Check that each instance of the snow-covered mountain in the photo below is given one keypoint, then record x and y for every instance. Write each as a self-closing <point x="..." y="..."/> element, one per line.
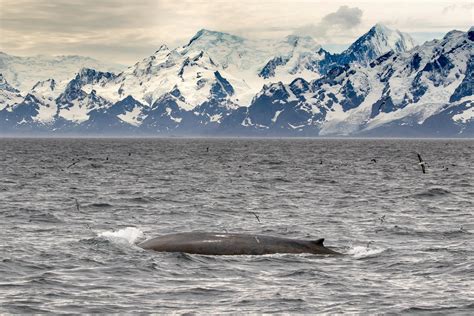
<point x="245" y="64"/>
<point x="193" y="73"/>
<point x="254" y="61"/>
<point x="395" y="94"/>
<point x="188" y="80"/>
<point x="75" y="103"/>
<point x="24" y="72"/>
<point x="8" y="94"/>
<point x="378" y="41"/>
<point x="222" y="84"/>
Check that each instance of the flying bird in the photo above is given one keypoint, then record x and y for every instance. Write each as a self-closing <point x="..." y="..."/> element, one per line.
<point x="73" y="163"/>
<point x="421" y="163"/>
<point x="77" y="205"/>
<point x="256" y="216"/>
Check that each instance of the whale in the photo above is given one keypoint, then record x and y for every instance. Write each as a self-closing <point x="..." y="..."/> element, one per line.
<point x="208" y="243"/>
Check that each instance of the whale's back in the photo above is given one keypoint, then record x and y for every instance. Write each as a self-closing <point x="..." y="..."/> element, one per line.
<point x="232" y="244"/>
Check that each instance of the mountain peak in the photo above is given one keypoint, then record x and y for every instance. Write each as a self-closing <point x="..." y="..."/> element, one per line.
<point x="4" y="85"/>
<point x="206" y="35"/>
<point x="378" y="41"/>
<point x="48" y="85"/>
<point x="297" y="40"/>
<point x="203" y="32"/>
<point x="380" y="28"/>
<point x="454" y="33"/>
<point x="162" y="49"/>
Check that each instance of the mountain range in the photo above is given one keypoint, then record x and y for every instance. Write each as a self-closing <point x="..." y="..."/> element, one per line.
<point x="220" y="84"/>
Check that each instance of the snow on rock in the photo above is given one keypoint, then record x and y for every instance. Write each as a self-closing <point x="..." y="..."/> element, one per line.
<point x="407" y="87"/>
<point x="24" y="72"/>
<point x="378" y="41"/>
<point x="219" y="81"/>
<point x="466" y="116"/>
<point x="131" y="117"/>
<point x="192" y="73"/>
<point x="8" y="94"/>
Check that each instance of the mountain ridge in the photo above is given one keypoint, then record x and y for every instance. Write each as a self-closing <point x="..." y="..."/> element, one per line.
<point x="220" y="84"/>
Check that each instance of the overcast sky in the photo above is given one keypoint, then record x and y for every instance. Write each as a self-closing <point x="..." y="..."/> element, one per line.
<point x="125" y="31"/>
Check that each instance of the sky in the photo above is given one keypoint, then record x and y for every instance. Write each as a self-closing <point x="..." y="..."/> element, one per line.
<point x="125" y="31"/>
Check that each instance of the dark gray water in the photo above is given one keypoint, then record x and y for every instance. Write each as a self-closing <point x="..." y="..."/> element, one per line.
<point x="408" y="235"/>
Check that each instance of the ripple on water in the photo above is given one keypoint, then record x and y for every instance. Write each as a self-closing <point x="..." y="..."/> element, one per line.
<point x="432" y="193"/>
<point x="101" y="205"/>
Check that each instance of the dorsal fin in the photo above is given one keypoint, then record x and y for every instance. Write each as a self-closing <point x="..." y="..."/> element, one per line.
<point x="318" y="242"/>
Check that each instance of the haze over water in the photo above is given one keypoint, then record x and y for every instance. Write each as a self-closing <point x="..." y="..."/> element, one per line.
<point x="72" y="210"/>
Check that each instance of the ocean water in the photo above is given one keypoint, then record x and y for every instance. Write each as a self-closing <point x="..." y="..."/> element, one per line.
<point x="72" y="211"/>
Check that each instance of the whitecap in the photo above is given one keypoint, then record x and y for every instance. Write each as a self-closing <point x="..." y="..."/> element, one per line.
<point x="128" y="235"/>
<point x="359" y="252"/>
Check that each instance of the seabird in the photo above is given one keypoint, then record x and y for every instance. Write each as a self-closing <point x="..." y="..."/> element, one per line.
<point x="256" y="216"/>
<point x="382" y="219"/>
<point x="374" y="160"/>
<point x="77" y="205"/>
<point x="75" y="162"/>
<point x="421" y="163"/>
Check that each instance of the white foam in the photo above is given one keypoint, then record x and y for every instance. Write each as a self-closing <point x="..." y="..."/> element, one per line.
<point x="359" y="252"/>
<point x="126" y="235"/>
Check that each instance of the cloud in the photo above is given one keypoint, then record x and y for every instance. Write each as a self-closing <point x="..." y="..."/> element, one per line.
<point x="126" y="30"/>
<point x="72" y="16"/>
<point x="335" y="24"/>
<point x="459" y="6"/>
<point x="344" y="17"/>
<point x="99" y="28"/>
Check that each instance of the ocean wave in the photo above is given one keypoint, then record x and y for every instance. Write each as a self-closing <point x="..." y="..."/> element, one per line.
<point x="362" y="252"/>
<point x="130" y="235"/>
<point x="432" y="192"/>
<point x="101" y="205"/>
